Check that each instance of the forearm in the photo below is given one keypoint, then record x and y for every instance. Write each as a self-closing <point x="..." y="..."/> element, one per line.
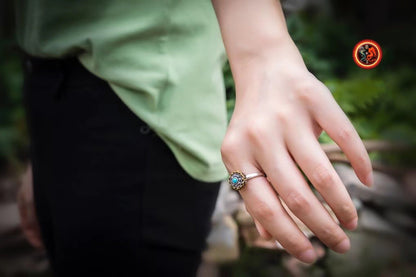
<point x="255" y="35"/>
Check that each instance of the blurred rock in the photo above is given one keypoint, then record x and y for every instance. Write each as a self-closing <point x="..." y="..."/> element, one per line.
<point x="228" y="202"/>
<point x="386" y="191"/>
<point x="373" y="254"/>
<point x="8" y="189"/>
<point x="409" y="183"/>
<point x="357" y="203"/>
<point x="9" y="218"/>
<point x="207" y="269"/>
<point x="401" y="220"/>
<point x="222" y="242"/>
<point x="372" y="221"/>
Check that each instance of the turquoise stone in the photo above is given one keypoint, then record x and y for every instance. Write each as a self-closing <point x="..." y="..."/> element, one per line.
<point x="234" y="180"/>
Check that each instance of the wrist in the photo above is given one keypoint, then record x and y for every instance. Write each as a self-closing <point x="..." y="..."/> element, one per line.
<point x="278" y="59"/>
<point x="281" y="64"/>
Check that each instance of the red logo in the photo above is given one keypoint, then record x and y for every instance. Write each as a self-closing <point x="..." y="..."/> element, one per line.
<point x="367" y="54"/>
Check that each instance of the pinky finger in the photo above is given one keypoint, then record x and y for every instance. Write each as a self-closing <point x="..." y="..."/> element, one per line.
<point x="335" y="122"/>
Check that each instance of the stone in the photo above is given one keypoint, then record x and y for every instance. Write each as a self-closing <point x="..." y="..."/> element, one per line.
<point x="386" y="191"/>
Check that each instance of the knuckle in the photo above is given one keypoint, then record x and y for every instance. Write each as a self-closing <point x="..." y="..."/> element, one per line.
<point x="297" y="202"/>
<point x="349" y="212"/>
<point x="263" y="211"/>
<point x="305" y="91"/>
<point x="295" y="244"/>
<point x="229" y="146"/>
<point x="327" y="233"/>
<point x="323" y="178"/>
<point x="364" y="161"/>
<point x="345" y="134"/>
<point x="283" y="115"/>
<point x="349" y="209"/>
<point x="256" y="130"/>
<point x="330" y="235"/>
<point x="262" y="232"/>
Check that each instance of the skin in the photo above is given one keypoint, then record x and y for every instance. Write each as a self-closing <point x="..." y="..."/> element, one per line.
<point x="281" y="109"/>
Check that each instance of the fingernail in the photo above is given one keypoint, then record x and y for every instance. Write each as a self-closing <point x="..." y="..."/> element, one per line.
<point x="352" y="224"/>
<point x="369" y="179"/>
<point x="309" y="256"/>
<point x="343" y="246"/>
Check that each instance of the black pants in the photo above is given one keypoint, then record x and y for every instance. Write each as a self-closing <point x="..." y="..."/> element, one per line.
<point x="111" y="199"/>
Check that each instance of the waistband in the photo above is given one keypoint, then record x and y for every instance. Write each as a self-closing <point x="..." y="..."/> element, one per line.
<point x="70" y="69"/>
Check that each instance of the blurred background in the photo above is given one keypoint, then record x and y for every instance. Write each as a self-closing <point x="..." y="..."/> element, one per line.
<point x="380" y="102"/>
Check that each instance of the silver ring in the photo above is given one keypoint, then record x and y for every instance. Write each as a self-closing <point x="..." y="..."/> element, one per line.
<point x="254" y="175"/>
<point x="238" y="180"/>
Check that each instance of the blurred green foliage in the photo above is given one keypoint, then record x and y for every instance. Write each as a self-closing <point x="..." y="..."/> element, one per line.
<point x="13" y="134"/>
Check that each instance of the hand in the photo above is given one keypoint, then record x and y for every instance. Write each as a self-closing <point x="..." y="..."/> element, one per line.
<point x="280" y="111"/>
<point x="28" y="219"/>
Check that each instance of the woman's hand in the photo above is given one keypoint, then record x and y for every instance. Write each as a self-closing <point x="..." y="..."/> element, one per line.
<point x="280" y="111"/>
<point x="273" y="131"/>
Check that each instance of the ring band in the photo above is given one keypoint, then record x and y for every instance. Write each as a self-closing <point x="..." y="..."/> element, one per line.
<point x="238" y="180"/>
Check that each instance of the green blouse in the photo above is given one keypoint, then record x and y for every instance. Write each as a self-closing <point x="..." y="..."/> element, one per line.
<point x="163" y="58"/>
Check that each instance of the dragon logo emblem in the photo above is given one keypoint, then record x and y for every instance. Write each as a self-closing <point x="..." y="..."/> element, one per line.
<point x="367" y="54"/>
